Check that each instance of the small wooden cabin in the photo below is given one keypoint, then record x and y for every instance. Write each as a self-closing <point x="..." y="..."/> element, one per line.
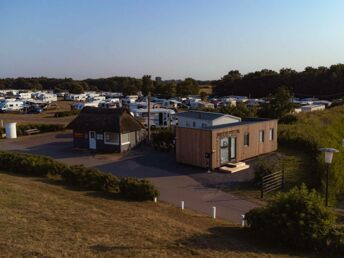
<point x="114" y="130"/>
<point x="206" y="139"/>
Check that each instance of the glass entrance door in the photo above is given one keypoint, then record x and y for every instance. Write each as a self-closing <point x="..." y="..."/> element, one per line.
<point x="232" y="154"/>
<point x="224" y="152"/>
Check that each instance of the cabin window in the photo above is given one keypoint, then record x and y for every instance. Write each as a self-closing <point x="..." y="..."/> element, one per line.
<point x="261" y="136"/>
<point x="125" y="138"/>
<point x="111" y="138"/>
<point x="246" y="139"/>
<point x="194" y="124"/>
<point x="271" y="134"/>
<point x="100" y="137"/>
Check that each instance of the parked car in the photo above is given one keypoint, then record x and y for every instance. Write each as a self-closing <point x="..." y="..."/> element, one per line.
<point x="34" y="110"/>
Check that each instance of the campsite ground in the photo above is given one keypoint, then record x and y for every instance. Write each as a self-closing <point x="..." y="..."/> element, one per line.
<point x="47" y="117"/>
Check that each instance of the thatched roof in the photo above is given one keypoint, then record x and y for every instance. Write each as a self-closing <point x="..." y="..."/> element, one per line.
<point x="105" y="120"/>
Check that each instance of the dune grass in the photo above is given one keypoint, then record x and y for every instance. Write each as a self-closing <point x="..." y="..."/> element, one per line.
<point x="40" y="218"/>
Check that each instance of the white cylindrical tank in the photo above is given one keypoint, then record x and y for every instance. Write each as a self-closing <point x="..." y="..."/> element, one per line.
<point x="11" y="130"/>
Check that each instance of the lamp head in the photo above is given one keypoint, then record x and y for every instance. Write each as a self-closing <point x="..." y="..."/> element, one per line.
<point x="328" y="154"/>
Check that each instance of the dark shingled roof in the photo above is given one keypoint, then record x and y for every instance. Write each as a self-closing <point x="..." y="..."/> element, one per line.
<point x="105" y="120"/>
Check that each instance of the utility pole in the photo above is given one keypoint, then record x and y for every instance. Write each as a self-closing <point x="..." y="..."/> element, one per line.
<point x="327" y="179"/>
<point x="148" y="123"/>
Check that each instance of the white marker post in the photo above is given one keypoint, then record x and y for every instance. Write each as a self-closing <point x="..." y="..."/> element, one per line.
<point x="155" y="199"/>
<point x="182" y="205"/>
<point x="214" y="212"/>
<point x="243" y="220"/>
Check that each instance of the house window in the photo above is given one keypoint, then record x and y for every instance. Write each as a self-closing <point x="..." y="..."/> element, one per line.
<point x="125" y="138"/>
<point x="100" y="137"/>
<point x="111" y="138"/>
<point x="271" y="134"/>
<point x="194" y="124"/>
<point x="246" y="139"/>
<point x="261" y="136"/>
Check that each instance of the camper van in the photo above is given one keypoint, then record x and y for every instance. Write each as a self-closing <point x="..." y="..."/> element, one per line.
<point x="11" y="105"/>
<point x="159" y="117"/>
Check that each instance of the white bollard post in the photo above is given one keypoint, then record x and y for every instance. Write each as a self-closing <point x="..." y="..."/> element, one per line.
<point x="155" y="199"/>
<point x="214" y="212"/>
<point x="243" y="220"/>
<point x="182" y="205"/>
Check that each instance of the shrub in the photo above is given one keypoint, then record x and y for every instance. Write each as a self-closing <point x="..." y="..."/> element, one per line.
<point x="288" y="119"/>
<point x="297" y="218"/>
<point x="163" y="139"/>
<point x="67" y="113"/>
<point x="263" y="168"/>
<point x="137" y="189"/>
<point x="91" y="179"/>
<point x="43" y="128"/>
<point x="32" y="165"/>
<point x="78" y="175"/>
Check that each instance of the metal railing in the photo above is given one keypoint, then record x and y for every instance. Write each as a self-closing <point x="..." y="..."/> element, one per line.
<point x="272" y="182"/>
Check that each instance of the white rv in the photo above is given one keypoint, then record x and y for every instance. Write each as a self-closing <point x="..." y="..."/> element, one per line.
<point x="11" y="105"/>
<point x="159" y="117"/>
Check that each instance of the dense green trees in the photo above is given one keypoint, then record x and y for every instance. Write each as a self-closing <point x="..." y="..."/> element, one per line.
<point x="126" y="85"/>
<point x="319" y="82"/>
<point x="278" y="104"/>
<point x="187" y="87"/>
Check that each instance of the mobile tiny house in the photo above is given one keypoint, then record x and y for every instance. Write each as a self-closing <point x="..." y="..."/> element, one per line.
<point x="159" y="117"/>
<point x="213" y="140"/>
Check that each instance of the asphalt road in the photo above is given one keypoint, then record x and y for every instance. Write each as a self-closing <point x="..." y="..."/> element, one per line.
<point x="199" y="190"/>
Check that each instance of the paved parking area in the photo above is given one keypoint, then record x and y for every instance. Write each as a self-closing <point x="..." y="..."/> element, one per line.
<point x="176" y="182"/>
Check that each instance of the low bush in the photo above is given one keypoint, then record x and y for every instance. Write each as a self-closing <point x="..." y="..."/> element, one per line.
<point x="288" y="119"/>
<point x="43" y="128"/>
<point x="91" y="179"/>
<point x="163" y="139"/>
<point x="137" y="189"/>
<point x="298" y="218"/>
<point x="78" y="175"/>
<point x="263" y="168"/>
<point x="67" y="113"/>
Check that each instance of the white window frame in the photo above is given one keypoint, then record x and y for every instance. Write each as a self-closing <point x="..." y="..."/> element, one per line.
<point x="111" y="143"/>
<point x="271" y="134"/>
<point x="248" y="139"/>
<point x="128" y="140"/>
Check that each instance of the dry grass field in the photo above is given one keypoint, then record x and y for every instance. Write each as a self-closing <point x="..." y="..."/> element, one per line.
<point x="39" y="218"/>
<point x="47" y="117"/>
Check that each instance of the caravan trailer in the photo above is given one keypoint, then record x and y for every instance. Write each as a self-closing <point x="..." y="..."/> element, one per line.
<point x="11" y="105"/>
<point x="159" y="117"/>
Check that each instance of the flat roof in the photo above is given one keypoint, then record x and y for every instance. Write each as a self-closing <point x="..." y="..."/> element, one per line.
<point x="205" y="115"/>
<point x="245" y="121"/>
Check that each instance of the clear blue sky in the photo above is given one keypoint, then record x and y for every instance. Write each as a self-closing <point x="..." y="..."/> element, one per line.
<point x="203" y="39"/>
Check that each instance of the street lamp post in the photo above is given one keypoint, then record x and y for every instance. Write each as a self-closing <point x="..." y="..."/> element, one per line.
<point x="328" y="160"/>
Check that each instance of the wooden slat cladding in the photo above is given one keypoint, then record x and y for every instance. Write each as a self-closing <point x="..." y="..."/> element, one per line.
<point x="192" y="144"/>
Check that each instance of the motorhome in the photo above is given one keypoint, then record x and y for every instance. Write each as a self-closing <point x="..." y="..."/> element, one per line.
<point x="159" y="117"/>
<point x="11" y="105"/>
<point x="81" y="105"/>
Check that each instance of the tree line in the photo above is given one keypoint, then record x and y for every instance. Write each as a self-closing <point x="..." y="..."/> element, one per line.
<point x="322" y="82"/>
<point x="126" y="85"/>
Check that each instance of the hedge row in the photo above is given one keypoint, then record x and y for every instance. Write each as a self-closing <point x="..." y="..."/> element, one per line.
<point x="78" y="175"/>
<point x="43" y="128"/>
<point x="163" y="139"/>
<point x="67" y="113"/>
